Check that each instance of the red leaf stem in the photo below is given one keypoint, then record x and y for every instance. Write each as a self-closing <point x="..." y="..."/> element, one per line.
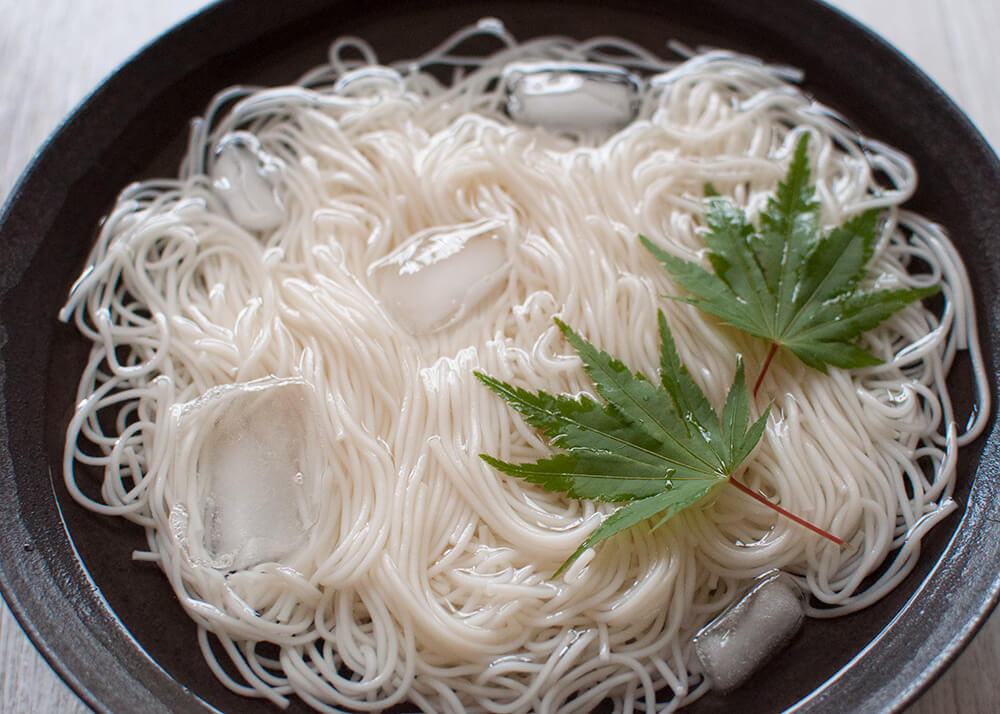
<point x="763" y="370"/>
<point x="802" y="522"/>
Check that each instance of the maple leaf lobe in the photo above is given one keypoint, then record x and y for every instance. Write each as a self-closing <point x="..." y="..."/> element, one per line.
<point x="662" y="447"/>
<point x="787" y="281"/>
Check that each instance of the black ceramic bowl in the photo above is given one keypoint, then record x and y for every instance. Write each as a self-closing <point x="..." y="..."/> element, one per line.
<point x="113" y="629"/>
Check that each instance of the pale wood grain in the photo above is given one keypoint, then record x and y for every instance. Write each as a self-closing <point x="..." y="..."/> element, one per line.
<point x="53" y="53"/>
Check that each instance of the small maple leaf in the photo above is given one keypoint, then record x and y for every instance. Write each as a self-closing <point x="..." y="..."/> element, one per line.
<point x="663" y="447"/>
<point x="787" y="281"/>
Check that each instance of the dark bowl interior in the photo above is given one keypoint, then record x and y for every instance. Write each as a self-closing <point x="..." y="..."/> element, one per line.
<point x="113" y="628"/>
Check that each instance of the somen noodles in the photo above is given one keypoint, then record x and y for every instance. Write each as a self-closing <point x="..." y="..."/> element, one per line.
<point x="280" y="389"/>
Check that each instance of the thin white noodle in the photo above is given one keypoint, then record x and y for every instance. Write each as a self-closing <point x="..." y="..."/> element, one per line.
<point x="425" y="574"/>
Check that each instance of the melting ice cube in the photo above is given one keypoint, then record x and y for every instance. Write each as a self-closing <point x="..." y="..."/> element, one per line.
<point x="244" y="175"/>
<point x="252" y="469"/>
<point x="441" y="274"/>
<point x="751" y="631"/>
<point x="571" y="95"/>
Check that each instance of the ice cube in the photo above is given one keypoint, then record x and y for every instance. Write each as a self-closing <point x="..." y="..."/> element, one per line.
<point x="751" y="631"/>
<point x="439" y="275"/>
<point x="252" y="470"/>
<point x="244" y="177"/>
<point x="573" y="96"/>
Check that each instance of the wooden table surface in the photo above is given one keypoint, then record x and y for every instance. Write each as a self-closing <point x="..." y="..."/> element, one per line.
<point x="53" y="52"/>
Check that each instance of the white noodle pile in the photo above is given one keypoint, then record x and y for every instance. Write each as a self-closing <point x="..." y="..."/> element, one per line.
<point x="381" y="556"/>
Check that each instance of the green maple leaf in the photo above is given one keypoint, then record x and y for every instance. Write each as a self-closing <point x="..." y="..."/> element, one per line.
<point x="788" y="282"/>
<point x="663" y="447"/>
